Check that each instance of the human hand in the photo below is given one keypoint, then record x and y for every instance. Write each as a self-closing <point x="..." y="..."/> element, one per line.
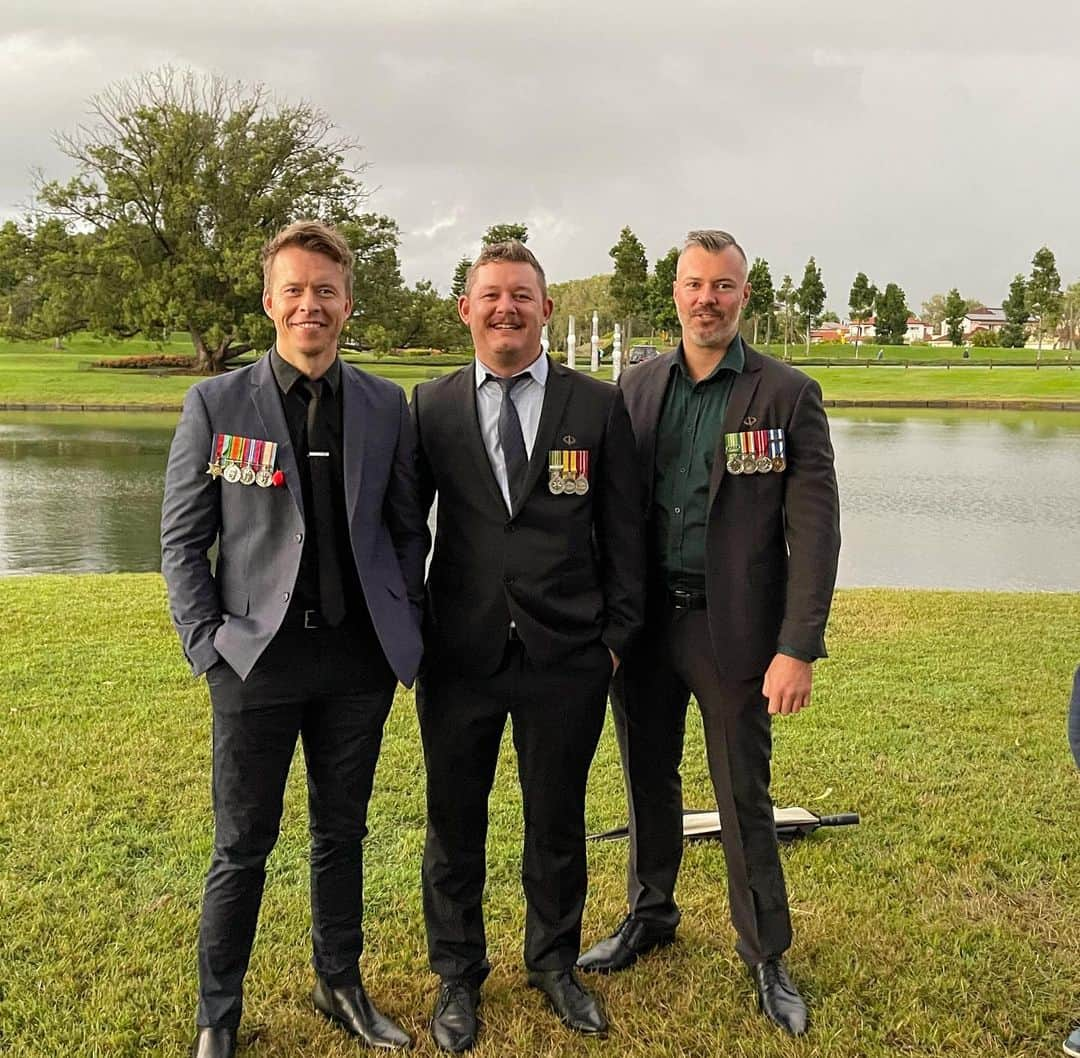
<point x="787" y="684"/>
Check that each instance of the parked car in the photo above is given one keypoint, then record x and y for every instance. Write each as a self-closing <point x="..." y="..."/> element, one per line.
<point x="640" y="353"/>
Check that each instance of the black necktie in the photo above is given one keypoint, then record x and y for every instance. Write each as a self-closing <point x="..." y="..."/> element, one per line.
<point x="511" y="437"/>
<point x="331" y="592"/>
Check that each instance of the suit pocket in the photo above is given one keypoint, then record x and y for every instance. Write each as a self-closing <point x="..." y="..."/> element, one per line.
<point x="234" y="601"/>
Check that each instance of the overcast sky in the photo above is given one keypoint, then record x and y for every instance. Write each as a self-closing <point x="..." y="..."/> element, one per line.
<point x="934" y="143"/>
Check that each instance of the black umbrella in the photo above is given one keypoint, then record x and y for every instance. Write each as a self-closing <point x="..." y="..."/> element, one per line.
<point x="702" y="824"/>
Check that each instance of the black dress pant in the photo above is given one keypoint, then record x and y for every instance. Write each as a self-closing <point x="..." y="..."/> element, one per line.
<point x="333" y="688"/>
<point x="557" y="714"/>
<point x="650" y="695"/>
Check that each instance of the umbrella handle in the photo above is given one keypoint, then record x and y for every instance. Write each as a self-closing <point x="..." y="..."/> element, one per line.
<point x="844" y="819"/>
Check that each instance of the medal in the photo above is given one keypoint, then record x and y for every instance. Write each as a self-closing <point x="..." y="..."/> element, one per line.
<point x="231" y="473"/>
<point x="264" y="478"/>
<point x="247" y="476"/>
<point x="581" y="486"/>
<point x="776" y="450"/>
<point x="555" y="484"/>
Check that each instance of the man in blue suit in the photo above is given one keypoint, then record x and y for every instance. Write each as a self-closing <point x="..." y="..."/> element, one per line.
<point x="301" y="469"/>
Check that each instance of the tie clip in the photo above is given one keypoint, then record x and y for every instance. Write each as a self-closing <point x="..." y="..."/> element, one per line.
<point x="312" y="455"/>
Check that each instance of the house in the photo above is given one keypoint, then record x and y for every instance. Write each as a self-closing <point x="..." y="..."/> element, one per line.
<point x="981" y="319"/>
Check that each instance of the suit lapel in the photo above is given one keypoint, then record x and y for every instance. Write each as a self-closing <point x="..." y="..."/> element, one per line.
<point x="267" y="399"/>
<point x="646" y="422"/>
<point x="463" y="395"/>
<point x="556" y="394"/>
<point x="742" y="392"/>
<point x="355" y="422"/>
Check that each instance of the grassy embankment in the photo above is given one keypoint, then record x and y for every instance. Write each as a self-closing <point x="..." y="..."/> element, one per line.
<point x="36" y="374"/>
<point x="947" y="924"/>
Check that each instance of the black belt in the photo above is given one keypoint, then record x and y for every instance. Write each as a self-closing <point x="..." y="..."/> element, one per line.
<point x="687" y="600"/>
<point x="305" y="621"/>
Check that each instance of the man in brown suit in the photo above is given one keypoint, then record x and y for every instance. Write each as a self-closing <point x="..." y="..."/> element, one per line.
<point x="743" y="533"/>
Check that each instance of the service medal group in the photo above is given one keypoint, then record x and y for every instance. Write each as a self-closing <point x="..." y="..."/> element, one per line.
<point x="568" y="472"/>
<point x="243" y="460"/>
<point x="755" y="452"/>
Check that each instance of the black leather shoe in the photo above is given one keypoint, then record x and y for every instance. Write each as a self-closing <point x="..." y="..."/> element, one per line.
<point x="620" y="951"/>
<point x="576" y="1005"/>
<point x="214" y="1043"/>
<point x="350" y="1008"/>
<point x="778" y="998"/>
<point x="454" y="1023"/>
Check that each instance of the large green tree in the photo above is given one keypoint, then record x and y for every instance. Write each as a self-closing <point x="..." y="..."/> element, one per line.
<point x="506" y="232"/>
<point x="1070" y="315"/>
<point x="955" y="310"/>
<point x="1013" y="334"/>
<point x="762" y="295"/>
<point x="1044" y="294"/>
<point x="810" y="297"/>
<point x="891" y="315"/>
<point x="580" y="298"/>
<point x="630" y="280"/>
<point x="665" y="319"/>
<point x="861" y="303"/>
<point x="461" y="273"/>
<point x="182" y="177"/>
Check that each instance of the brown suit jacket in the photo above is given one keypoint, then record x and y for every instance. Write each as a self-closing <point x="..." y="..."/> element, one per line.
<point x="772" y="540"/>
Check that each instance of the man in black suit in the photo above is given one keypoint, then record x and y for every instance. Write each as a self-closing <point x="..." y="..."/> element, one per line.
<point x="743" y="526"/>
<point x="301" y="469"/>
<point x="534" y="592"/>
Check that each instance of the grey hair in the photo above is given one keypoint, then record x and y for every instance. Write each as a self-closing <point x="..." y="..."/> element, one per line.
<point x="712" y="240"/>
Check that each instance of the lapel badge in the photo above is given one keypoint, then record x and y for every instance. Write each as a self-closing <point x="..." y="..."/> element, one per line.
<point x="569" y="439"/>
<point x="750" y="420"/>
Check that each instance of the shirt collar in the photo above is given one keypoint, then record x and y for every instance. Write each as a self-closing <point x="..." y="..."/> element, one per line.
<point x="538" y="369"/>
<point x="734" y="360"/>
<point x="287" y="376"/>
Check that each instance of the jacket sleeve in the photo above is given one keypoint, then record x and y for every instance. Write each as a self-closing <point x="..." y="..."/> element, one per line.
<point x="811" y="523"/>
<point x="190" y="523"/>
<point x="620" y="532"/>
<point x="405" y="516"/>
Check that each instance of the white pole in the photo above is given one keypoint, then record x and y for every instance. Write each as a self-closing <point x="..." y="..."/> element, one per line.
<point x="571" y="345"/>
<point x="545" y="342"/>
<point x="595" y="341"/>
<point x="616" y="354"/>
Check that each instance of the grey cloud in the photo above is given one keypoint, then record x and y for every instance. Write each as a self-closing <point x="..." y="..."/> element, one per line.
<point x="930" y="146"/>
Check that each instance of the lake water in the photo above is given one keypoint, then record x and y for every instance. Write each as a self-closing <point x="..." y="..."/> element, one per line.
<point x="934" y="499"/>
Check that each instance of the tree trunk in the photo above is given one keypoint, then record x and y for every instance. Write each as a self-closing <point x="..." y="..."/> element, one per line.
<point x="807" y="335"/>
<point x="756" y="318"/>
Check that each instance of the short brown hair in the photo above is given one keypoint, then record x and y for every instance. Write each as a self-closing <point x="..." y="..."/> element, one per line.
<point x="316" y="237"/>
<point x="512" y="252"/>
<point x="712" y="240"/>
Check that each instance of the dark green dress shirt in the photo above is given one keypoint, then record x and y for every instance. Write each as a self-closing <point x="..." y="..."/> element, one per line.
<point x="690" y="428"/>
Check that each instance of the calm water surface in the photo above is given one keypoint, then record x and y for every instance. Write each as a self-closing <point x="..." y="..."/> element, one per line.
<point x="937" y="499"/>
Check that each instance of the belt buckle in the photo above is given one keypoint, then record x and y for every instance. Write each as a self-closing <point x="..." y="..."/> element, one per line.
<point x="309" y="615"/>
<point x="681" y="599"/>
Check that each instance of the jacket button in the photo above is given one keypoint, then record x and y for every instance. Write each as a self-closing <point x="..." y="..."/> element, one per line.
<point x="284" y="596"/>
<point x="299" y="537"/>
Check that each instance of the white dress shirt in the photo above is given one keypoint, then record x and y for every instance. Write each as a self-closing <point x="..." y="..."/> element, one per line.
<point x="528" y="398"/>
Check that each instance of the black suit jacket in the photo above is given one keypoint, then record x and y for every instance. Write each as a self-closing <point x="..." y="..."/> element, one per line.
<point x="772" y="540"/>
<point x="567" y="570"/>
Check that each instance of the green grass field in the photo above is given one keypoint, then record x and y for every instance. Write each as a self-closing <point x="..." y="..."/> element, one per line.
<point x="946" y="924"/>
<point x="36" y="374"/>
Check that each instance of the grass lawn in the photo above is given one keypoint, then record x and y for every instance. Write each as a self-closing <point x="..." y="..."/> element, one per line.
<point x="36" y="374"/>
<point x="947" y="924"/>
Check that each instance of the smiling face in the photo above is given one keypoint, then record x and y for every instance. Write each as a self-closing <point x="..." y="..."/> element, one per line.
<point x="307" y="298"/>
<point x="505" y="311"/>
<point x="710" y="293"/>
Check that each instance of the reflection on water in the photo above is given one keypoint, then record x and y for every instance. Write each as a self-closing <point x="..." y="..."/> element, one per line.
<point x="959" y="499"/>
<point x="955" y="499"/>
